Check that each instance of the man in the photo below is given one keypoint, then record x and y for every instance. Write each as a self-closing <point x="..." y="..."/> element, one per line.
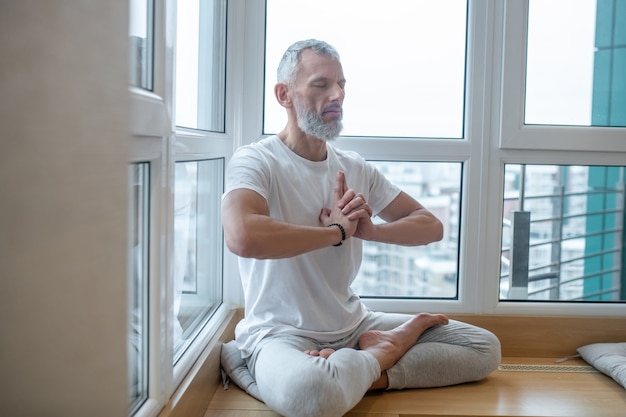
<point x="296" y="211"/>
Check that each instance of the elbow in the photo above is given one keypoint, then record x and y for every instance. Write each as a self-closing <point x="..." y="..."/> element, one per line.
<point x="438" y="235"/>
<point x="243" y="239"/>
<point x="236" y="238"/>
<point x="243" y="245"/>
<point x="238" y="246"/>
<point x="432" y="233"/>
<point x="234" y="246"/>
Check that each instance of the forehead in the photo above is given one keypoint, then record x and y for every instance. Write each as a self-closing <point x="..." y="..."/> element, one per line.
<point x="313" y="65"/>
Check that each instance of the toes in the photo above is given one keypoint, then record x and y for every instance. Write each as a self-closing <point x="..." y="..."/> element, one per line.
<point x="325" y="353"/>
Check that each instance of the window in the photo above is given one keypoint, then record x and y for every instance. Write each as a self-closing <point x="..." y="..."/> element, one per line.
<point x="141" y="43"/>
<point x="424" y="271"/>
<point x="404" y="79"/>
<point x="570" y="76"/>
<point x="506" y="66"/>
<point x="197" y="248"/>
<point x="563" y="214"/>
<point x="200" y="69"/>
<point x="400" y="84"/>
<point x="576" y="55"/>
<point x="176" y="256"/>
<point x="139" y="270"/>
<point x="139" y="180"/>
<point x="563" y="233"/>
<point x="560" y="62"/>
<point x="200" y="148"/>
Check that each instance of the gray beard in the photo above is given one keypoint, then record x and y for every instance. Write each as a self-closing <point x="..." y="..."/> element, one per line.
<point x="312" y="124"/>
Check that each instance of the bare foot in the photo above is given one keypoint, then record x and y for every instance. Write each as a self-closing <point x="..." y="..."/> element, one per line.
<point x="389" y="346"/>
<point x="324" y="353"/>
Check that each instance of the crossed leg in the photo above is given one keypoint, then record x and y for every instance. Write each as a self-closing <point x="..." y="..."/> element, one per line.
<point x="388" y="346"/>
<point x="296" y="380"/>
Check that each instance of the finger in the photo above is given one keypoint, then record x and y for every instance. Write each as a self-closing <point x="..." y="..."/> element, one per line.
<point x="344" y="187"/>
<point x="368" y="208"/>
<point x="346" y="203"/>
<point x="357" y="201"/>
<point x="339" y="183"/>
<point x="345" y="183"/>
<point x="361" y="213"/>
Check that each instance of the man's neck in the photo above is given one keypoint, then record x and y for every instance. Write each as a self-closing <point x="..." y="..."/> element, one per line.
<point x="308" y="147"/>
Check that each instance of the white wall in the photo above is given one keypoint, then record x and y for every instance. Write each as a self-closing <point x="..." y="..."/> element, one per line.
<point x="63" y="172"/>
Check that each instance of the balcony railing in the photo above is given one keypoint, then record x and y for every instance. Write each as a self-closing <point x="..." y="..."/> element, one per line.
<point x="550" y="258"/>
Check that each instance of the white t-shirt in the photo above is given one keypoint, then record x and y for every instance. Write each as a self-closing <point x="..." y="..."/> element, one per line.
<point x="309" y="294"/>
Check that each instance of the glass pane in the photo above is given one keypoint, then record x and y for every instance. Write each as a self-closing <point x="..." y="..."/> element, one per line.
<point x="576" y="63"/>
<point x="139" y="179"/>
<point x="198" y="248"/>
<point x="563" y="233"/>
<point x="201" y="64"/>
<point x="141" y="41"/>
<point x="424" y="271"/>
<point x="404" y="61"/>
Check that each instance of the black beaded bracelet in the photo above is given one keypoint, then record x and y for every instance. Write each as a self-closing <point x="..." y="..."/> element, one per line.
<point x="343" y="233"/>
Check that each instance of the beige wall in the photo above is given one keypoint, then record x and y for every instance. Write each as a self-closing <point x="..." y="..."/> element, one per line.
<point x="63" y="173"/>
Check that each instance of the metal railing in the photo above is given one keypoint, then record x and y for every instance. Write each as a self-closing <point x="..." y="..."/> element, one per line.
<point x="545" y="268"/>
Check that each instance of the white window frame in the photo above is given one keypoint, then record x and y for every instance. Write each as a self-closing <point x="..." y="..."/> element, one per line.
<point x="464" y="151"/>
<point x="513" y="142"/>
<point x="494" y="110"/>
<point x="158" y="141"/>
<point x="514" y="134"/>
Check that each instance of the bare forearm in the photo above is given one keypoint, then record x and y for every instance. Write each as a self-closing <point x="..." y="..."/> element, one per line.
<point x="418" y="228"/>
<point x="251" y="232"/>
<point x="264" y="238"/>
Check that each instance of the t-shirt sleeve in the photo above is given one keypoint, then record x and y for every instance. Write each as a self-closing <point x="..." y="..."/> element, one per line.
<point x="248" y="169"/>
<point x="382" y="191"/>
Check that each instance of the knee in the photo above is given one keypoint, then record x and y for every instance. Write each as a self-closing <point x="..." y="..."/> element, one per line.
<point x="491" y="352"/>
<point x="309" y="395"/>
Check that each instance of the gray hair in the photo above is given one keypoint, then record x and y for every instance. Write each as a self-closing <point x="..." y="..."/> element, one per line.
<point x="288" y="66"/>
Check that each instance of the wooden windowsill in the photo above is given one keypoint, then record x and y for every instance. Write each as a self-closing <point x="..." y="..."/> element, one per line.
<point x="501" y="394"/>
<point x="535" y="340"/>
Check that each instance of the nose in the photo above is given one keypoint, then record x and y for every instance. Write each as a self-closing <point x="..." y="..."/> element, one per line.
<point x="337" y="93"/>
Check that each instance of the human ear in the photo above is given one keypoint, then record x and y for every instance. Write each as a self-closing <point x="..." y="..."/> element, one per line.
<point x="281" y="91"/>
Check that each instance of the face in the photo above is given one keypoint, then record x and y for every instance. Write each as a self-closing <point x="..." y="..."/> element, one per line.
<point x="318" y="96"/>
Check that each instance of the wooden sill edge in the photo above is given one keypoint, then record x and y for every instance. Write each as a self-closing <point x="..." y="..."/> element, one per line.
<point x="521" y="337"/>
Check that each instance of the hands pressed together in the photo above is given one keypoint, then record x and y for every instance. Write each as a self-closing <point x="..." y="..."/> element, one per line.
<point x="350" y="210"/>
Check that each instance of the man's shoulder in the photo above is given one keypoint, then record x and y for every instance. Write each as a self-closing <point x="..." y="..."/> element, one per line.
<point x="263" y="147"/>
<point x="266" y="143"/>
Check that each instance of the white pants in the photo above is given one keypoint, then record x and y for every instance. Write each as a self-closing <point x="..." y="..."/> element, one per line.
<point x="295" y="384"/>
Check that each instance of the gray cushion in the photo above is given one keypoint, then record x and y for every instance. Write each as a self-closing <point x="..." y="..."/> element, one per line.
<point x="608" y="358"/>
<point x="235" y="368"/>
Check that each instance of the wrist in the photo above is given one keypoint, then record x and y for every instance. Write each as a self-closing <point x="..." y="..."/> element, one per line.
<point x="342" y="230"/>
